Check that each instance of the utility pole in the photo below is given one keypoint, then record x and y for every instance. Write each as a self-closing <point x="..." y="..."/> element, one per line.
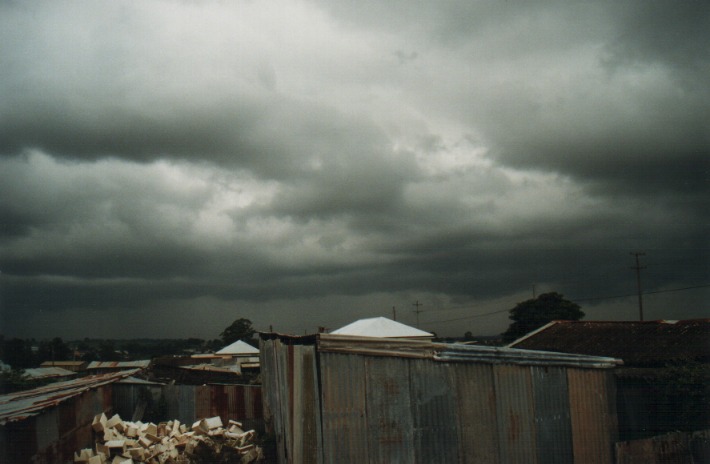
<point x="534" y="295"/>
<point x="417" y="310"/>
<point x="638" y="268"/>
<point x="394" y="314"/>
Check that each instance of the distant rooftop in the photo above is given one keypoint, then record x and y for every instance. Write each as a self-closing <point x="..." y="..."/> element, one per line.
<point x="636" y="342"/>
<point x="39" y="373"/>
<point x="117" y="365"/>
<point x="239" y="348"/>
<point x="381" y="327"/>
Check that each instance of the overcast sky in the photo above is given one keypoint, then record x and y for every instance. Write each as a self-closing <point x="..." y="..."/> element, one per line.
<point x="167" y="167"/>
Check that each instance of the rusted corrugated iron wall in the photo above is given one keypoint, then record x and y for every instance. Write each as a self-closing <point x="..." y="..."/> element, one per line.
<point x="475" y="399"/>
<point x="552" y="415"/>
<point x="592" y="397"/>
<point x="388" y="412"/>
<point x="515" y="414"/>
<point x="55" y="434"/>
<point x="187" y="403"/>
<point x="433" y="412"/>
<point x="293" y="404"/>
<point x="336" y="406"/>
<point x="343" y="408"/>
<point x="674" y="447"/>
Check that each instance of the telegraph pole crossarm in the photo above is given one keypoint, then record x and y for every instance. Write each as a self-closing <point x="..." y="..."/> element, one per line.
<point x="417" y="310"/>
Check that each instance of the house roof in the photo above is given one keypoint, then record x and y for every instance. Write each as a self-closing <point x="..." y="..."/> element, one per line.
<point x="637" y="343"/>
<point x="237" y="348"/>
<point x="381" y="327"/>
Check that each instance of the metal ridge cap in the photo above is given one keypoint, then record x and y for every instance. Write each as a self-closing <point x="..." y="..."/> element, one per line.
<point x="514" y="355"/>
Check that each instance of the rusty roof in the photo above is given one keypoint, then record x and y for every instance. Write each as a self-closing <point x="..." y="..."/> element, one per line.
<point x="140" y="364"/>
<point x="21" y="405"/>
<point x="636" y="342"/>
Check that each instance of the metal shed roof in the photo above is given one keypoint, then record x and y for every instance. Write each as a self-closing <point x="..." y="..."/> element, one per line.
<point x="21" y="405"/>
<point x="447" y="352"/>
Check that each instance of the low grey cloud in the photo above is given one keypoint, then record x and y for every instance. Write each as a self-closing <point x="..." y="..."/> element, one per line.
<point x="307" y="163"/>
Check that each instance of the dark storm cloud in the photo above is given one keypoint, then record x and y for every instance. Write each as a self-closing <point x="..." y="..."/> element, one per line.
<point x="304" y="163"/>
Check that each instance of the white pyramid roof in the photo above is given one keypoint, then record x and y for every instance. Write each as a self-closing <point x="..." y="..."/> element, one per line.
<point x="238" y="347"/>
<point x="381" y="327"/>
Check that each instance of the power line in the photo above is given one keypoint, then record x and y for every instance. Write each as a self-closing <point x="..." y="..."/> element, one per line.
<point x="572" y="299"/>
<point x="470" y="317"/>
<point x="644" y="293"/>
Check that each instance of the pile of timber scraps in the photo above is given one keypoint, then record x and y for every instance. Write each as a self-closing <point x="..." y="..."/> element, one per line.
<point x="207" y="441"/>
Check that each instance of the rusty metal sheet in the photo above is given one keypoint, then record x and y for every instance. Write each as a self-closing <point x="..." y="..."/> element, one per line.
<point x="305" y="408"/>
<point x="552" y="418"/>
<point x="593" y="419"/>
<point x="515" y="414"/>
<point x="433" y="412"/>
<point x="274" y="404"/>
<point x="476" y="410"/>
<point x="389" y="413"/>
<point x="20" y="405"/>
<point x="344" y="426"/>
<point x="203" y="400"/>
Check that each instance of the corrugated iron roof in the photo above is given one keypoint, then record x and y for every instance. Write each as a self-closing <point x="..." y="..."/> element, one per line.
<point x="37" y="373"/>
<point x="140" y="364"/>
<point x="636" y="342"/>
<point x="61" y="363"/>
<point x="21" y="405"/>
<point x="212" y="368"/>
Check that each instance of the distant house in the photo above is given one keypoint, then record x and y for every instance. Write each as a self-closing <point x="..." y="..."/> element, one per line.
<point x="102" y="367"/>
<point x="236" y="357"/>
<point x="656" y="355"/>
<point x="74" y="366"/>
<point x="381" y="327"/>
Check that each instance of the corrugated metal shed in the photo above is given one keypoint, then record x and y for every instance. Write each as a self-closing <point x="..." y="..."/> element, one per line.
<point x="335" y="399"/>
<point x="21" y="405"/>
<point x="47" y="424"/>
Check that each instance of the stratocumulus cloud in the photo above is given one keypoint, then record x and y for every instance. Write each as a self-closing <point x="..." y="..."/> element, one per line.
<point x="308" y="163"/>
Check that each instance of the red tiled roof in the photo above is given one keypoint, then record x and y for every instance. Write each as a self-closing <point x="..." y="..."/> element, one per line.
<point x="637" y="343"/>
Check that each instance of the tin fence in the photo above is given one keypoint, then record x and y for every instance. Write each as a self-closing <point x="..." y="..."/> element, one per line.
<point x="335" y="399"/>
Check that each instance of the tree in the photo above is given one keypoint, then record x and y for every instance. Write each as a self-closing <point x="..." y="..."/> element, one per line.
<point x="240" y="329"/>
<point x="534" y="313"/>
<point x="18" y="353"/>
<point x="54" y="350"/>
